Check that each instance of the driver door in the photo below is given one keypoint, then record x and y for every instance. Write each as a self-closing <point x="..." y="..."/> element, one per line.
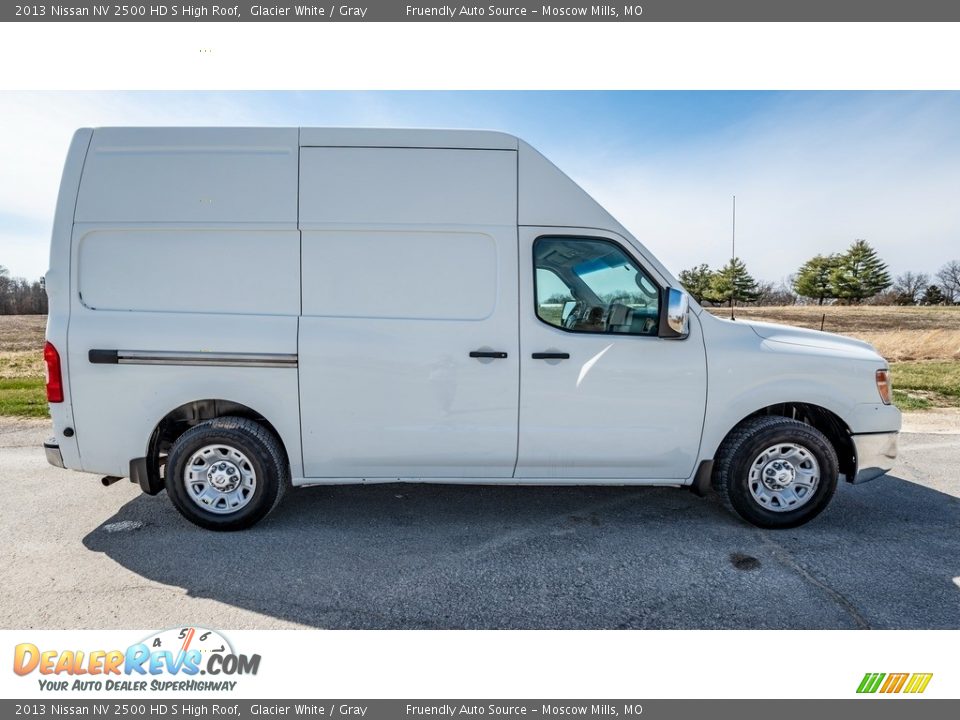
<point x="601" y="395"/>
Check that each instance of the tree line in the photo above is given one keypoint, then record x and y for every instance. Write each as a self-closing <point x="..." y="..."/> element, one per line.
<point x="19" y="296"/>
<point x="855" y="276"/>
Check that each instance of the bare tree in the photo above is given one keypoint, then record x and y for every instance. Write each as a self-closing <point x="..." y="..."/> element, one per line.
<point x="909" y="287"/>
<point x="19" y="296"/>
<point x="887" y="297"/>
<point x="949" y="277"/>
<point x="5" y="286"/>
<point x="773" y="294"/>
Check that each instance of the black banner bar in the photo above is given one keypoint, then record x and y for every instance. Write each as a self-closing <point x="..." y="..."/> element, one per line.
<point x="508" y="11"/>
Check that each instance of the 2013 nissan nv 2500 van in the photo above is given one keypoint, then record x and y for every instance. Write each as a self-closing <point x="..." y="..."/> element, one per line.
<point x="237" y="310"/>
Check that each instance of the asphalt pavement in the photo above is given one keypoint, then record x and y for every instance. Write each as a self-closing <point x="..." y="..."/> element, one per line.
<point x="77" y="555"/>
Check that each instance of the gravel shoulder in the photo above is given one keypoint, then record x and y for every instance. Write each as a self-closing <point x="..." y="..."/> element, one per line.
<point x="23" y="432"/>
<point x="939" y="422"/>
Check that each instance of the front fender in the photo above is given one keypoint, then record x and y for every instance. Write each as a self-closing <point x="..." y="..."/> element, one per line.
<point x="747" y="373"/>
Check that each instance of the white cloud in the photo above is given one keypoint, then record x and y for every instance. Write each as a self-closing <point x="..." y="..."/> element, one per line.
<point x="802" y="188"/>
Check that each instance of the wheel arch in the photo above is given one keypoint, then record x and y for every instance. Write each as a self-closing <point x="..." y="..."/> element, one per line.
<point x="823" y="419"/>
<point x="146" y="471"/>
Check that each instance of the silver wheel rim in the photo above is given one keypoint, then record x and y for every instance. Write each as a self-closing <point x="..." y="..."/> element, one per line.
<point x="784" y="477"/>
<point x="220" y="479"/>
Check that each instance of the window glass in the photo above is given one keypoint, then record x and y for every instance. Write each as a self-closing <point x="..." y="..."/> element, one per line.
<point x="586" y="285"/>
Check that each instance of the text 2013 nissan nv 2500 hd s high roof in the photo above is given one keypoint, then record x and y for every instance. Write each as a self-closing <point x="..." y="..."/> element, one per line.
<point x="237" y="310"/>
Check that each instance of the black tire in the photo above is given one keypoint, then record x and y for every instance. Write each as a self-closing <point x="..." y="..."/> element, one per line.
<point x="744" y="445"/>
<point x="266" y="457"/>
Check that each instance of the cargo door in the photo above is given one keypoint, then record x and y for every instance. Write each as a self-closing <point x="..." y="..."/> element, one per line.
<point x="408" y="343"/>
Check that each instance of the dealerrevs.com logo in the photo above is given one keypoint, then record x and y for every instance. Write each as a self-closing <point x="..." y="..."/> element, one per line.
<point x="887" y="683"/>
<point x="179" y="659"/>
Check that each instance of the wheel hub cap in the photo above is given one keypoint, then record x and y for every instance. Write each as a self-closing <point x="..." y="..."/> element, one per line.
<point x="784" y="477"/>
<point x="224" y="476"/>
<point x="220" y="479"/>
<point x="778" y="474"/>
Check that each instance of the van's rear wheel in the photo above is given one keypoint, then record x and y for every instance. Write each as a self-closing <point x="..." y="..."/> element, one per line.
<point x="226" y="473"/>
<point x="776" y="472"/>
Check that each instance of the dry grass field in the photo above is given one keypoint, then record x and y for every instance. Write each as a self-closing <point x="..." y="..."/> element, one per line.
<point x="922" y="344"/>
<point x="898" y="333"/>
<point x="20" y="333"/>
<point x="21" y="365"/>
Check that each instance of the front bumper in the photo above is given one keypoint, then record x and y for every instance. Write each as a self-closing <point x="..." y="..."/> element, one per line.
<point x="52" y="450"/>
<point x="876" y="453"/>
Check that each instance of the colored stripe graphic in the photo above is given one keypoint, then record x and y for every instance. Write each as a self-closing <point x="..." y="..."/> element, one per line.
<point x="894" y="683"/>
<point x="918" y="682"/>
<point x="870" y="682"/>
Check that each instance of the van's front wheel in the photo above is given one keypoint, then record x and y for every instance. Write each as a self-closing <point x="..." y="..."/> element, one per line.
<point x="226" y="473"/>
<point x="776" y="472"/>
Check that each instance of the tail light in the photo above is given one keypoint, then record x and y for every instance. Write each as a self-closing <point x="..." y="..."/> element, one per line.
<point x="54" y="374"/>
<point x="884" y="385"/>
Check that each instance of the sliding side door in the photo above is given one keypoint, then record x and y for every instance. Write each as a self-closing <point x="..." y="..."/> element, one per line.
<point x="408" y="342"/>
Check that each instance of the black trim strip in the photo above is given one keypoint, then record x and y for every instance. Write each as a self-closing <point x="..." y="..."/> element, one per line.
<point x="210" y="359"/>
<point x="103" y="357"/>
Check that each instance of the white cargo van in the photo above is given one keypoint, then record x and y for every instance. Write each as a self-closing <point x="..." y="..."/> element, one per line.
<point x="234" y="311"/>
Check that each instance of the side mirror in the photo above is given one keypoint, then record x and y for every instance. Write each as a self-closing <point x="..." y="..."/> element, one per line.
<point x="568" y="307"/>
<point x="675" y="316"/>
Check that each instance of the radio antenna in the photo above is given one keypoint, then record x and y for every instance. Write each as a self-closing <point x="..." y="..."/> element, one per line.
<point x="733" y="256"/>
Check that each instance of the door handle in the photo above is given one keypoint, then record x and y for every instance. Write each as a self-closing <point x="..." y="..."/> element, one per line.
<point x="551" y="356"/>
<point x="496" y="354"/>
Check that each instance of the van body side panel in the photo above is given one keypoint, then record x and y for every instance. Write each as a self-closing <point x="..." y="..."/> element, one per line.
<point x="186" y="242"/>
<point x="190" y="175"/>
<point x="238" y="270"/>
<point x="122" y="403"/>
<point x="57" y="283"/>
<point x="409" y="265"/>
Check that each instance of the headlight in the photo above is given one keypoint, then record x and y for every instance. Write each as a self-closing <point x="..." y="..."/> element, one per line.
<point x="884" y="386"/>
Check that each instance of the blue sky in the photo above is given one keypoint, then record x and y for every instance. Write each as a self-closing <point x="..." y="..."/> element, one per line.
<point x="812" y="171"/>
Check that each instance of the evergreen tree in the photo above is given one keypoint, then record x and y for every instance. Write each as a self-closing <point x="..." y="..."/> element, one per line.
<point x="813" y="278"/>
<point x="697" y="281"/>
<point x="933" y="296"/>
<point x="860" y="273"/>
<point x="732" y="283"/>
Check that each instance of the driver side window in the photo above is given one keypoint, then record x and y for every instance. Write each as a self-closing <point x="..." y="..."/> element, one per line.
<point x="590" y="285"/>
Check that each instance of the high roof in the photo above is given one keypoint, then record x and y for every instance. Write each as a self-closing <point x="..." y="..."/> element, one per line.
<point x="398" y="137"/>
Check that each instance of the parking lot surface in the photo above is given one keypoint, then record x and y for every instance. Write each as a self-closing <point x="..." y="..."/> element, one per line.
<point x="77" y="555"/>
